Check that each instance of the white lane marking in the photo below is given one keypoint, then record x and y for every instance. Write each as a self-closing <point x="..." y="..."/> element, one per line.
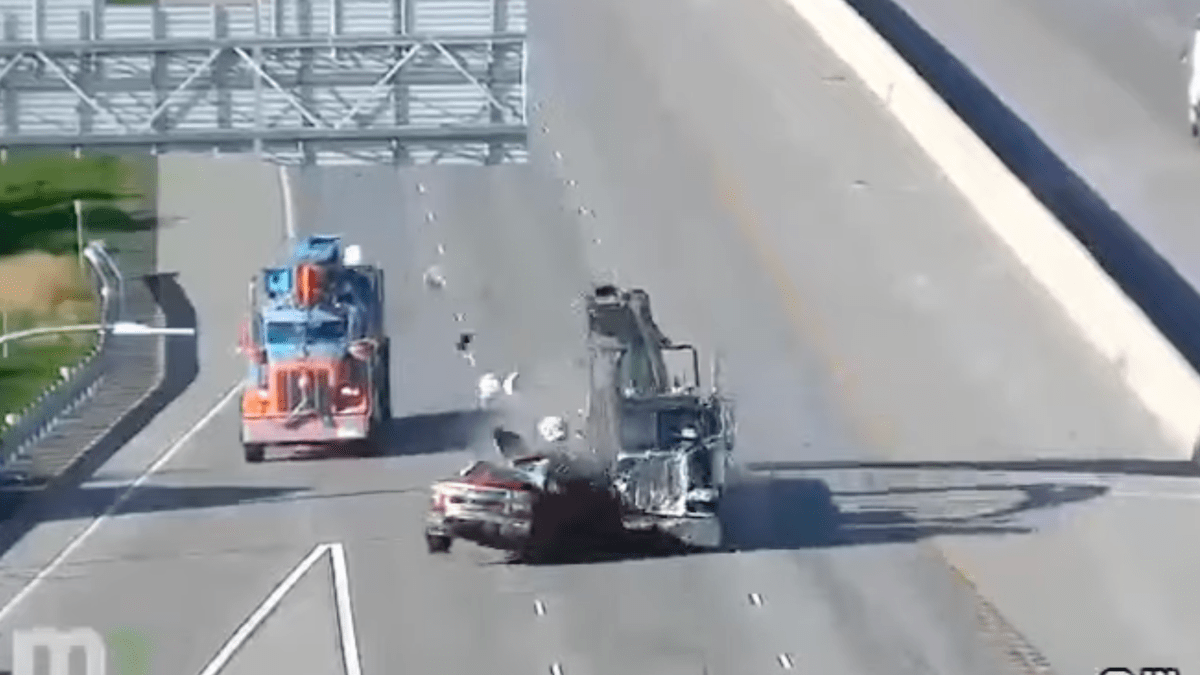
<point x="785" y="661"/>
<point x="539" y="607"/>
<point x="1183" y="496"/>
<point x="289" y="219"/>
<point x="341" y="594"/>
<point x="421" y="188"/>
<point x="556" y="669"/>
<point x="756" y="599"/>
<point x="154" y="468"/>
<point x="430" y="217"/>
<point x="261" y="612"/>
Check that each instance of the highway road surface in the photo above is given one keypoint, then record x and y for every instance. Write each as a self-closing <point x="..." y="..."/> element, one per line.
<point x="1102" y="83"/>
<point x="716" y="155"/>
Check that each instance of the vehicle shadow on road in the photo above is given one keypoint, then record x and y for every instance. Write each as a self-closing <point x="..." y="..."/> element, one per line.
<point x="769" y="509"/>
<point x="805" y="513"/>
<point x="1098" y="467"/>
<point x="90" y="502"/>
<point x="424" y="434"/>
<point x="24" y="505"/>
<point x="434" y="433"/>
<point x="776" y="506"/>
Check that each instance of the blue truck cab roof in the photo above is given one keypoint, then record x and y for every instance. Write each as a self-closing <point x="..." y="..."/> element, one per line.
<point x="291" y="330"/>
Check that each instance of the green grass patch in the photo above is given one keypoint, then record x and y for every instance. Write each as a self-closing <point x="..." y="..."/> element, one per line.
<point x="31" y="367"/>
<point x="38" y="191"/>
<point x="37" y="215"/>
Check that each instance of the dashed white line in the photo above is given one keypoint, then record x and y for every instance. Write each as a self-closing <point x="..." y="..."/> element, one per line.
<point x="154" y="468"/>
<point x="421" y="188"/>
<point x="556" y="669"/>
<point x="539" y="607"/>
<point x="285" y="186"/>
<point x="557" y="155"/>
<point x="756" y="599"/>
<point x="785" y="661"/>
<point x="1182" y="496"/>
<point x="430" y="216"/>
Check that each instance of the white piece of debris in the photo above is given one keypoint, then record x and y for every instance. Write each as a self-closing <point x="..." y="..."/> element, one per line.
<point x="434" y="278"/>
<point x="492" y="386"/>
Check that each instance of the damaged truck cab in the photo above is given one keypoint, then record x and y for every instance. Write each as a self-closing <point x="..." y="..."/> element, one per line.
<point x="669" y="443"/>
<point x="317" y="349"/>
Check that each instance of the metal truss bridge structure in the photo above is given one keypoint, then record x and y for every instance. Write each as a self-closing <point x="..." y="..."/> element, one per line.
<point x="298" y="81"/>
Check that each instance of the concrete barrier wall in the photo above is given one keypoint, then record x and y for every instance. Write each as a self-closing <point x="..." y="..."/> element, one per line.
<point x="1154" y="370"/>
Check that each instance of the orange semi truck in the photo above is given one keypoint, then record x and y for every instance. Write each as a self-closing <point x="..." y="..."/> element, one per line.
<point x="318" y="352"/>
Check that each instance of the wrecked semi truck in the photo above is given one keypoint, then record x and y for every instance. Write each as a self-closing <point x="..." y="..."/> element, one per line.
<point x="318" y="351"/>
<point x="668" y="444"/>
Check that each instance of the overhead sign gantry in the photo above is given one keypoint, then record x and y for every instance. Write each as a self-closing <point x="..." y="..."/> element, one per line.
<point x="300" y="81"/>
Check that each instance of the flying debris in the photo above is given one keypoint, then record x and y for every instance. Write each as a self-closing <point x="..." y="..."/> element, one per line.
<point x="434" y="278"/>
<point x="464" y="347"/>
<point x="491" y="387"/>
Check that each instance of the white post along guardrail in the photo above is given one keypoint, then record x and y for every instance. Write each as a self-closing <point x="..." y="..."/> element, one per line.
<point x="20" y="430"/>
<point x="1152" y="368"/>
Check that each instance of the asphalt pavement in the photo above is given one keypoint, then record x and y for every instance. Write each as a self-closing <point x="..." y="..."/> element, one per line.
<point x="1102" y="90"/>
<point x="781" y="219"/>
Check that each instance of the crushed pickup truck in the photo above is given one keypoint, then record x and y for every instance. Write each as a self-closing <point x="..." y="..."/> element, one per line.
<point x="655" y="453"/>
<point x="528" y="504"/>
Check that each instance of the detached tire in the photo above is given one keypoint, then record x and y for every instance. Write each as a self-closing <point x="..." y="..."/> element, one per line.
<point x="254" y="452"/>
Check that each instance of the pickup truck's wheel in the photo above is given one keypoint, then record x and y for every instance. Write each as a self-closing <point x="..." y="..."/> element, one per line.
<point x="254" y="452"/>
<point x="438" y="543"/>
<point x="385" y="381"/>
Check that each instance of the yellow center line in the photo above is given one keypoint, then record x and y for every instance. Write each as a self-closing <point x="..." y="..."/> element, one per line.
<point x="876" y="429"/>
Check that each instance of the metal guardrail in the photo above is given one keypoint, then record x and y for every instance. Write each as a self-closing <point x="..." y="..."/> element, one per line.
<point x="25" y="428"/>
